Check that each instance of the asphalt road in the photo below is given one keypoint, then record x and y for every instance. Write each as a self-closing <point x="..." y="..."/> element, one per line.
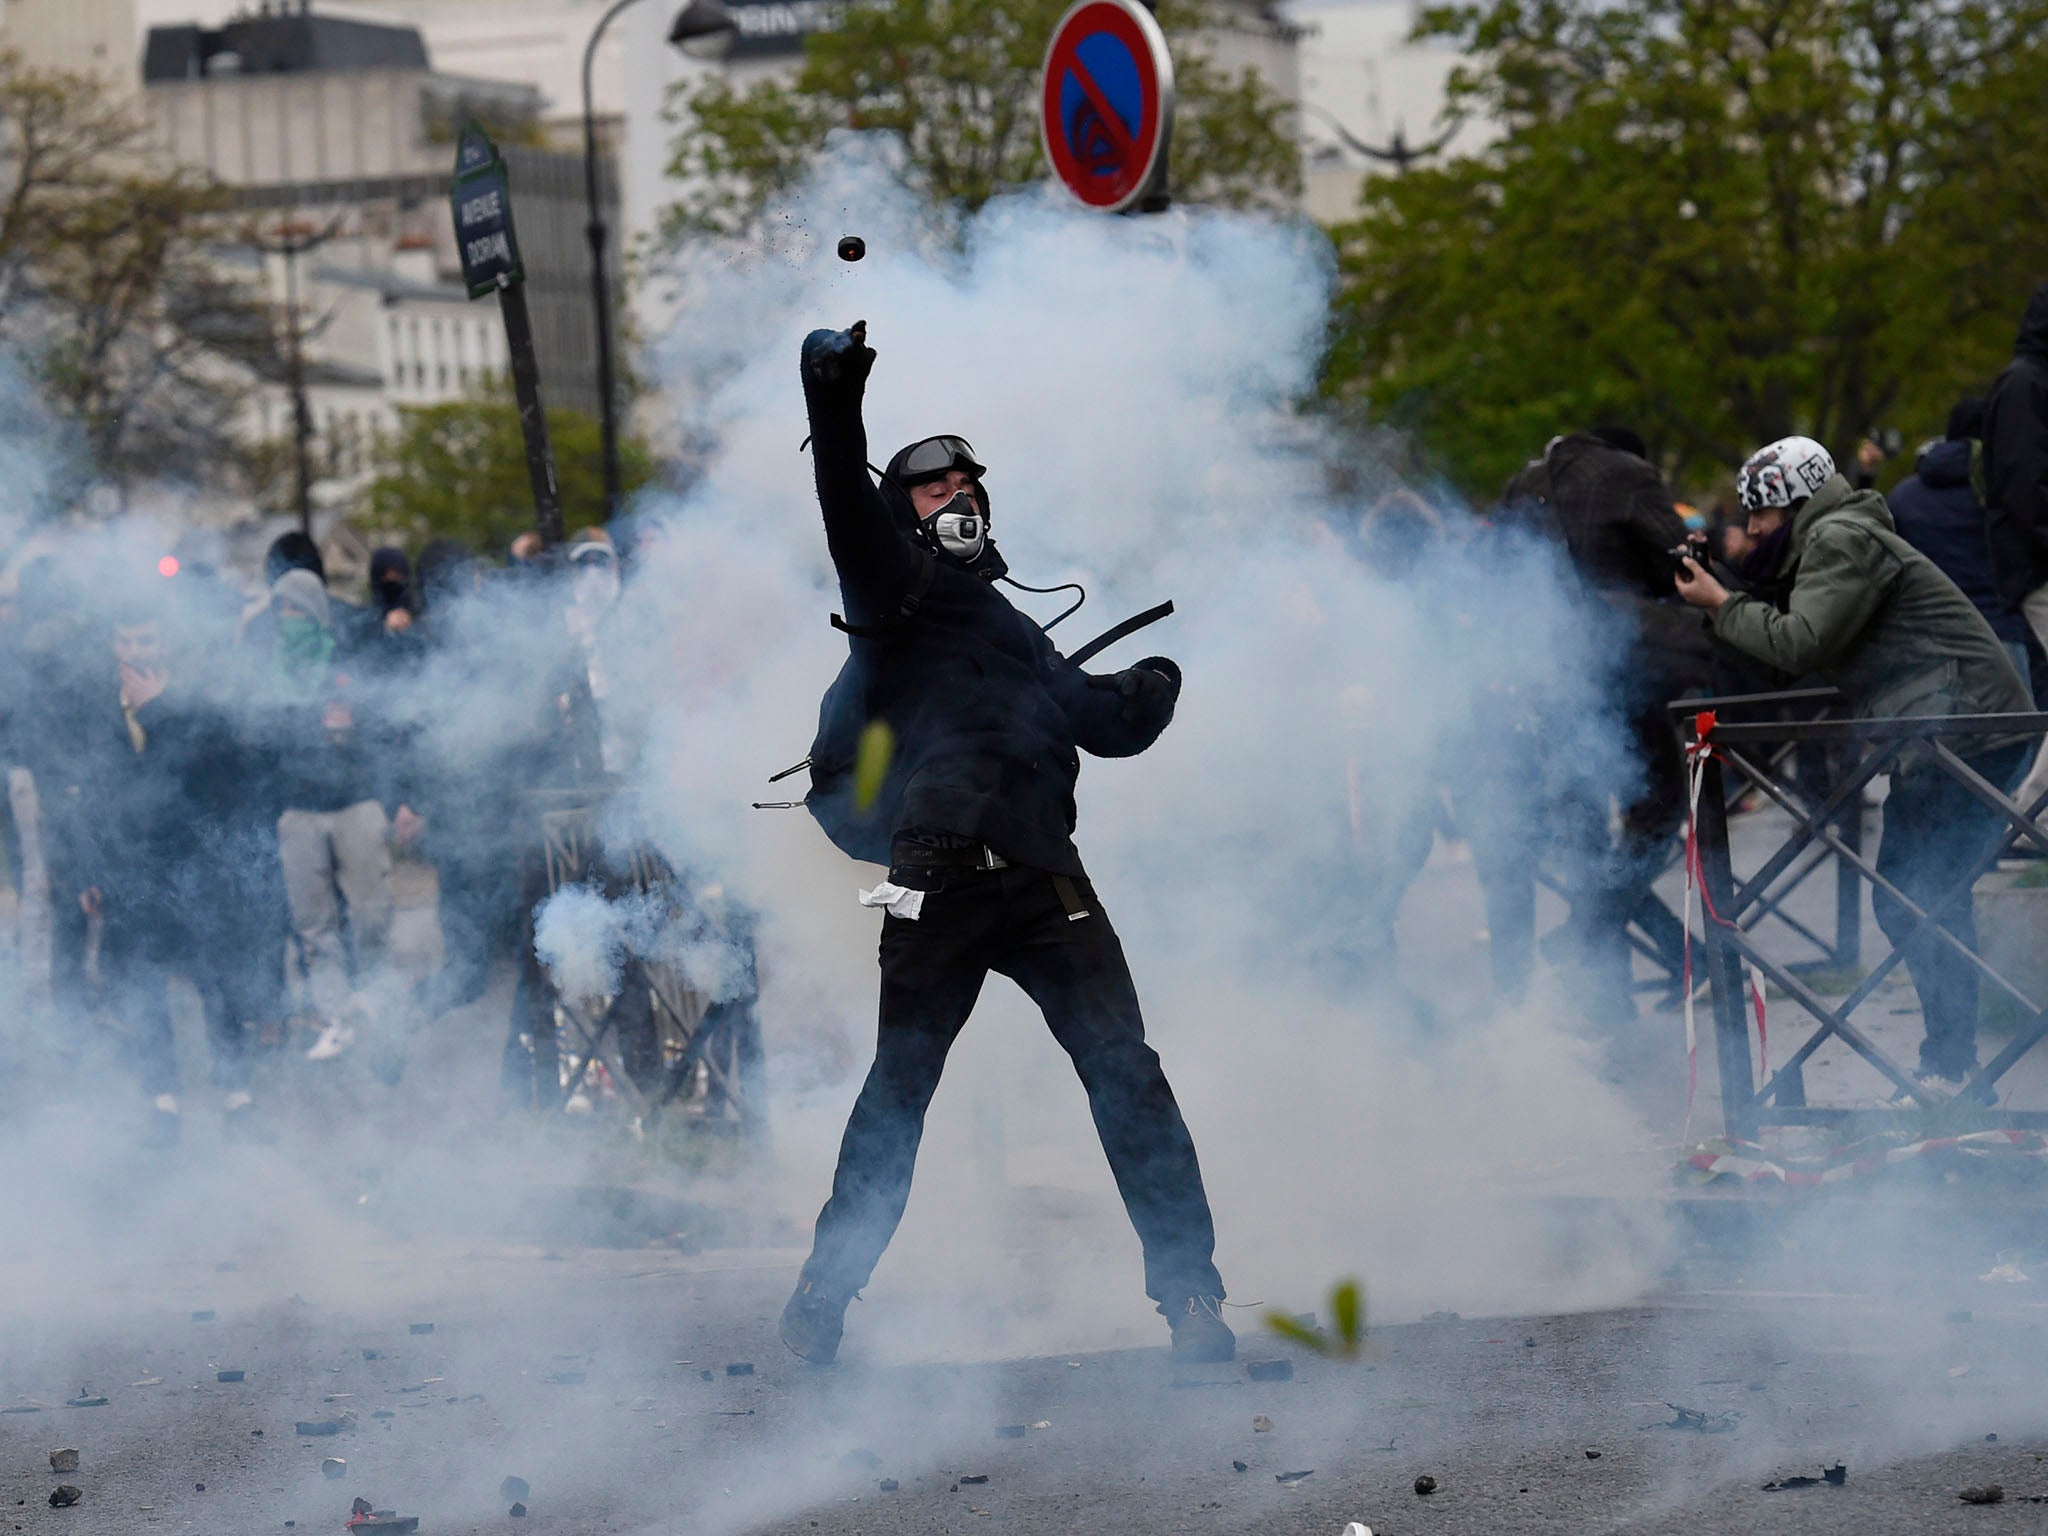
<point x="602" y="1378"/>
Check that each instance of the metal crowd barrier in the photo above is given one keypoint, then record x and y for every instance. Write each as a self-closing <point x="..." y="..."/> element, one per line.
<point x="1755" y="749"/>
<point x="656" y="1043"/>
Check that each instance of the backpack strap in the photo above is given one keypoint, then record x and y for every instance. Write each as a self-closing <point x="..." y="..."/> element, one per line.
<point x="913" y="599"/>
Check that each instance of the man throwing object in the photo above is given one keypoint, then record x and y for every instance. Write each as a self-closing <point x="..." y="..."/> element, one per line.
<point x="974" y="815"/>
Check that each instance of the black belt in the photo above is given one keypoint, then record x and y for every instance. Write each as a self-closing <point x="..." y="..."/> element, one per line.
<point x="918" y="856"/>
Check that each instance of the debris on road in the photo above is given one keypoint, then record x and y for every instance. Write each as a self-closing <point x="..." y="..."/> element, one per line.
<point x="64" y="1461"/>
<point x="314" y="1428"/>
<point x="334" y="1467"/>
<point x="1838" y="1474"/>
<point x="1990" y="1493"/>
<point x="366" y="1521"/>
<point x="421" y="1327"/>
<point x="1261" y="1425"/>
<point x="1699" y="1421"/>
<point x="1591" y="1454"/>
<point x="1355" y="1528"/>
<point x="1425" y="1485"/>
<point x="82" y="1401"/>
<point x="373" y="1354"/>
<point x="1269" y="1370"/>
<point x="971" y="1478"/>
<point x="1293" y="1477"/>
<point x="517" y="1511"/>
<point x="559" y="1378"/>
<point x="65" y="1496"/>
<point x="740" y="1368"/>
<point x="704" y="1376"/>
<point x="515" y="1489"/>
<point x="148" y="1381"/>
<point x="230" y="1375"/>
<point x="888" y="1485"/>
<point x="1529" y="1343"/>
<point x="1239" y="1466"/>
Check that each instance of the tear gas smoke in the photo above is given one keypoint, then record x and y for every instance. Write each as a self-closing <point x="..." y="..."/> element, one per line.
<point x="1360" y="1107"/>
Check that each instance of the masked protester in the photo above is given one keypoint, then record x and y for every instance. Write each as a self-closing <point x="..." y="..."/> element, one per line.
<point x="149" y="751"/>
<point x="1876" y="618"/>
<point x="333" y="774"/>
<point x="391" y="595"/>
<point x="982" y="723"/>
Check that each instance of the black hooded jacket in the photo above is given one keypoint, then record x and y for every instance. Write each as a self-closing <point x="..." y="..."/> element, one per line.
<point x="1613" y="513"/>
<point x="1939" y="515"/>
<point x="989" y="720"/>
<point x="2016" y="458"/>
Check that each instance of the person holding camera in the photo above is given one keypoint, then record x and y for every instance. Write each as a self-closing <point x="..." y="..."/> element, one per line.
<point x="982" y="723"/>
<point x="1876" y="618"/>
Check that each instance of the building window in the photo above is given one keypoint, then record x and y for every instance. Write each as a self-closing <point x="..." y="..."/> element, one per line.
<point x="419" y="375"/>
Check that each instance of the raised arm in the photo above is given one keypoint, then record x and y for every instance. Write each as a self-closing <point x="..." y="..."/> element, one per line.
<point x="872" y="555"/>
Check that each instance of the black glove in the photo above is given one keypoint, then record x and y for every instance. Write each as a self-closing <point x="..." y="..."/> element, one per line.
<point x="1148" y="690"/>
<point x="838" y="360"/>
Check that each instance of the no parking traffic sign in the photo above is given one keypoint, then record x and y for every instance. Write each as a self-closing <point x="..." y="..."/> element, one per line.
<point x="1106" y="102"/>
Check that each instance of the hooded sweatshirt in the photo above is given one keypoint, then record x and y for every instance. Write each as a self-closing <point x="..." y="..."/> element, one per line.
<point x="2016" y="458"/>
<point x="325" y="748"/>
<point x="1938" y="514"/>
<point x="989" y="720"/>
<point x="1876" y="618"/>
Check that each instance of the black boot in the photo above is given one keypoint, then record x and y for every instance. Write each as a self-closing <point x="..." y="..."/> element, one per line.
<point x="1200" y="1336"/>
<point x="813" y="1322"/>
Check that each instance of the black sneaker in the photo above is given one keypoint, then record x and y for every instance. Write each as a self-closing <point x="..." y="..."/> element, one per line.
<point x="813" y="1322"/>
<point x="1200" y="1336"/>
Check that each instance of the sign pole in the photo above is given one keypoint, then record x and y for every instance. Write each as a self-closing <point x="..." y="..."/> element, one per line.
<point x="489" y="247"/>
<point x="533" y="421"/>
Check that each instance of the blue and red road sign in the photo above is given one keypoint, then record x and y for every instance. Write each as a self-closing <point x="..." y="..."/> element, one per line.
<point x="1106" y="102"/>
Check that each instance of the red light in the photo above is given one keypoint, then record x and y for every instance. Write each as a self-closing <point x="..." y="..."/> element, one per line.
<point x="168" y="566"/>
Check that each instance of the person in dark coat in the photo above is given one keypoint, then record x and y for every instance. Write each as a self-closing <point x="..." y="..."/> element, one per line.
<point x="148" y="749"/>
<point x="1938" y="513"/>
<point x="1614" y="514"/>
<point x="2016" y="468"/>
<point x="2015" y="465"/>
<point x="976" y="815"/>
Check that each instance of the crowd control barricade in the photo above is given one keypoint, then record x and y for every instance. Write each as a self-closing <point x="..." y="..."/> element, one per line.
<point x="1737" y="905"/>
<point x="656" y="1044"/>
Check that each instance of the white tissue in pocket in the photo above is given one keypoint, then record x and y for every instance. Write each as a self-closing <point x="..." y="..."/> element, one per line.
<point x="895" y="900"/>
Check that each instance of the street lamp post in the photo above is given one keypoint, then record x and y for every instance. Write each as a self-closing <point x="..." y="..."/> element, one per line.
<point x="701" y="23"/>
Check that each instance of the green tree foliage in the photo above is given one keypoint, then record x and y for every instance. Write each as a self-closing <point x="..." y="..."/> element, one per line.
<point x="107" y="280"/>
<point x="957" y="82"/>
<point x="459" y="471"/>
<point x="1719" y="220"/>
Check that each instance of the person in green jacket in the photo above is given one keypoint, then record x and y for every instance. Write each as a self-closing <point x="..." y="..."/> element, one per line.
<point x="1880" y="621"/>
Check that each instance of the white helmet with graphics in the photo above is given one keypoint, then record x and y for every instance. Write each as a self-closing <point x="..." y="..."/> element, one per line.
<point x="1785" y="472"/>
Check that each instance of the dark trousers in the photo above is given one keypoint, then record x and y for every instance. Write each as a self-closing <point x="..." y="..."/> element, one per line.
<point x="136" y="954"/>
<point x="1014" y="922"/>
<point x="1935" y="832"/>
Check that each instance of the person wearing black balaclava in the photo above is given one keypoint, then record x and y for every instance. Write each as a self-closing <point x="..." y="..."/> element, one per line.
<point x="975" y="816"/>
<point x="391" y="598"/>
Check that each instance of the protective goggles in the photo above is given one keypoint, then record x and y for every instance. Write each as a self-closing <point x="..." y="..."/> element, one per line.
<point x="936" y="456"/>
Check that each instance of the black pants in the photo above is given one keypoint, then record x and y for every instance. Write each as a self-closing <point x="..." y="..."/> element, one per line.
<point x="1935" y="831"/>
<point x="1014" y="922"/>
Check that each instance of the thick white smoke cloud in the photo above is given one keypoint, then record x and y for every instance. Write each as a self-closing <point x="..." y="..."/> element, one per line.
<point x="1133" y="385"/>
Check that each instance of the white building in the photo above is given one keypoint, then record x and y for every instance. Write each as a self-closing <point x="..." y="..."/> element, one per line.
<point x="1359" y="68"/>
